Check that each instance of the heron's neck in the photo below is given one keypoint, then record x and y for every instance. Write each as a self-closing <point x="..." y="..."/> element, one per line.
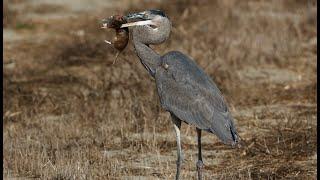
<point x="148" y="57"/>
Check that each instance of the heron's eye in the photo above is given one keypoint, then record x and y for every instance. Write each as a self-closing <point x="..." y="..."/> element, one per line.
<point x="152" y="26"/>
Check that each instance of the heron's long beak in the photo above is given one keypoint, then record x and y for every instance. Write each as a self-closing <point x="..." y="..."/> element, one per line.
<point x="138" y="23"/>
<point x="137" y="19"/>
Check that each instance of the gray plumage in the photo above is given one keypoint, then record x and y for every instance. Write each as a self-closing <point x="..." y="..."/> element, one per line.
<point x="187" y="92"/>
<point x="184" y="89"/>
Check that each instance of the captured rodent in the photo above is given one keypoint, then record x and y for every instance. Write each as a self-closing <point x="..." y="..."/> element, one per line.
<point x="121" y="39"/>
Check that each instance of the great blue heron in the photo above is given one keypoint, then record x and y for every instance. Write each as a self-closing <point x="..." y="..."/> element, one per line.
<point x="185" y="90"/>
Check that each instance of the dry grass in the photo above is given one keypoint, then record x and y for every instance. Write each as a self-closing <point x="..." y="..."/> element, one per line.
<point x="70" y="114"/>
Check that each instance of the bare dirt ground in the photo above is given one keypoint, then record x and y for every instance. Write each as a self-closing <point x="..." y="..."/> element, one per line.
<point x="70" y="114"/>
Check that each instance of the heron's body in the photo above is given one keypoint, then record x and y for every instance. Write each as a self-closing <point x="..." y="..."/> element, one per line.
<point x="187" y="91"/>
<point x="184" y="89"/>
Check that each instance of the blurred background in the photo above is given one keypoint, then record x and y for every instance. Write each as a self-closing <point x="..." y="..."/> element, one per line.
<point x="70" y="114"/>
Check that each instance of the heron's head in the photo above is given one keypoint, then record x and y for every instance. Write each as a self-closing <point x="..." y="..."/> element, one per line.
<point x="149" y="27"/>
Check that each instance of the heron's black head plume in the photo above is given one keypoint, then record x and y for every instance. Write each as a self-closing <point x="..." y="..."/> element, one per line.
<point x="157" y="12"/>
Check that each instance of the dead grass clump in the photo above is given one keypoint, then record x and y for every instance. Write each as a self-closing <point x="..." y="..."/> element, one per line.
<point x="13" y="17"/>
<point x="280" y="152"/>
<point x="9" y="15"/>
<point x="48" y="8"/>
<point x="77" y="52"/>
<point x="292" y="141"/>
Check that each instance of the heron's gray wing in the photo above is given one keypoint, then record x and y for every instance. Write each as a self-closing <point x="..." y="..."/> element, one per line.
<point x="187" y="92"/>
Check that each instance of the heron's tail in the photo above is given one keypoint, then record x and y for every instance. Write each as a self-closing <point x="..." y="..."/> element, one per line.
<point x="237" y="140"/>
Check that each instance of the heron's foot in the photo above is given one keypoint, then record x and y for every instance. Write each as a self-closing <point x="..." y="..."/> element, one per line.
<point x="200" y="166"/>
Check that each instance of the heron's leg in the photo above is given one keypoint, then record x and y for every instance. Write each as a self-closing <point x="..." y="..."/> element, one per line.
<point x="177" y="126"/>
<point x="199" y="163"/>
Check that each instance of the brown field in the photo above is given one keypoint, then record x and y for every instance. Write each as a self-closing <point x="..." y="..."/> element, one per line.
<point x="70" y="114"/>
